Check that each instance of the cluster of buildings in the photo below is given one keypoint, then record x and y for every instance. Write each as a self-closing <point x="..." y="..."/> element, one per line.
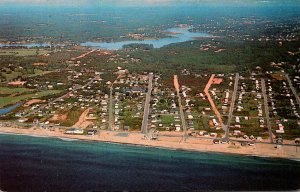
<point x="164" y="109"/>
<point x="125" y="99"/>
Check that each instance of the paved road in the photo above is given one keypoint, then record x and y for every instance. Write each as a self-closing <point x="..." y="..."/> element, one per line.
<point x="57" y="99"/>
<point x="263" y="87"/>
<point x="293" y="89"/>
<point x="182" y="117"/>
<point x="147" y="105"/>
<point x="110" y="109"/>
<point x="177" y="87"/>
<point x="236" y="83"/>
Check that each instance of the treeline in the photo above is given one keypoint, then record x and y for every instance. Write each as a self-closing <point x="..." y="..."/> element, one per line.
<point x="138" y="46"/>
<point x="241" y="56"/>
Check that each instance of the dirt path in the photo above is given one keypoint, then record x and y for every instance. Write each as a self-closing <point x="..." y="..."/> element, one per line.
<point x="85" y="54"/>
<point x="82" y="122"/>
<point x="33" y="101"/>
<point x="119" y="77"/>
<point x="58" y="117"/>
<point x="211" y="101"/>
<point x="176" y="84"/>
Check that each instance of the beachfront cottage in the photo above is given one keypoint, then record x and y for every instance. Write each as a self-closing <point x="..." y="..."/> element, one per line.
<point x="177" y="127"/>
<point x="126" y="128"/>
<point x="74" y="131"/>
<point x="22" y="120"/>
<point x="92" y="132"/>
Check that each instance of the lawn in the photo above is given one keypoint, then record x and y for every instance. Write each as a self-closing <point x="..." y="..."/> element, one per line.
<point x="251" y="127"/>
<point x="8" y="90"/>
<point x="4" y="101"/>
<point x="38" y="72"/>
<point x="167" y="119"/>
<point x="72" y="117"/>
<point x="22" y="52"/>
<point x="12" y="75"/>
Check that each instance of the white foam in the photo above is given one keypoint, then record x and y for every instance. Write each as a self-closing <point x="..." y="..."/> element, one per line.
<point x="67" y="139"/>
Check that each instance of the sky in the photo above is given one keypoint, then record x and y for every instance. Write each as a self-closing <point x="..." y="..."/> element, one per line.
<point x="150" y="2"/>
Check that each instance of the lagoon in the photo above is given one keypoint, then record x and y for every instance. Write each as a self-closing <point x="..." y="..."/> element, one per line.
<point x="3" y="111"/>
<point x="179" y="35"/>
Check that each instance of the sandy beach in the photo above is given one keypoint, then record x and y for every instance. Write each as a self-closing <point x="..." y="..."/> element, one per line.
<point x="175" y="142"/>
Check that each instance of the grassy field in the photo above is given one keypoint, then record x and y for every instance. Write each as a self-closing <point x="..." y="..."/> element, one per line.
<point x="72" y="117"/>
<point x="4" y="101"/>
<point x="38" y="72"/>
<point x="11" y="76"/>
<point x="8" y="90"/>
<point x="167" y="119"/>
<point x="22" y="52"/>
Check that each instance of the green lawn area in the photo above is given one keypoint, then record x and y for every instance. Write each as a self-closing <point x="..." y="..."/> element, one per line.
<point x="38" y="72"/>
<point x="22" y="52"/>
<point x="134" y="123"/>
<point x="291" y="129"/>
<point x="4" y="101"/>
<point x="12" y="75"/>
<point x="72" y="117"/>
<point x="167" y="119"/>
<point x="251" y="127"/>
<point x="8" y="90"/>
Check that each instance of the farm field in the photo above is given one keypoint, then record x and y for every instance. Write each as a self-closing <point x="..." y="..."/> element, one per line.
<point x="5" y="101"/>
<point x="23" y="52"/>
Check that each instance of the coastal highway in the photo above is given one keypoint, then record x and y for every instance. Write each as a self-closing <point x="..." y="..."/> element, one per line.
<point x="147" y="105"/>
<point x="236" y="83"/>
<point x="263" y="87"/>
<point x="293" y="89"/>
<point x="65" y="95"/>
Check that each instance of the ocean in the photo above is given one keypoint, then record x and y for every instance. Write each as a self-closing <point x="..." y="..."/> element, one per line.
<point x="52" y="164"/>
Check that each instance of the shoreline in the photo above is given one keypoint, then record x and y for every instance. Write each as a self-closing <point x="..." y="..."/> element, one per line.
<point x="148" y="146"/>
<point x="262" y="150"/>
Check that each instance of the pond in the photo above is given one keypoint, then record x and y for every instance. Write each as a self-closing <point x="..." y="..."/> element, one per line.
<point x="178" y="35"/>
<point x="6" y="110"/>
